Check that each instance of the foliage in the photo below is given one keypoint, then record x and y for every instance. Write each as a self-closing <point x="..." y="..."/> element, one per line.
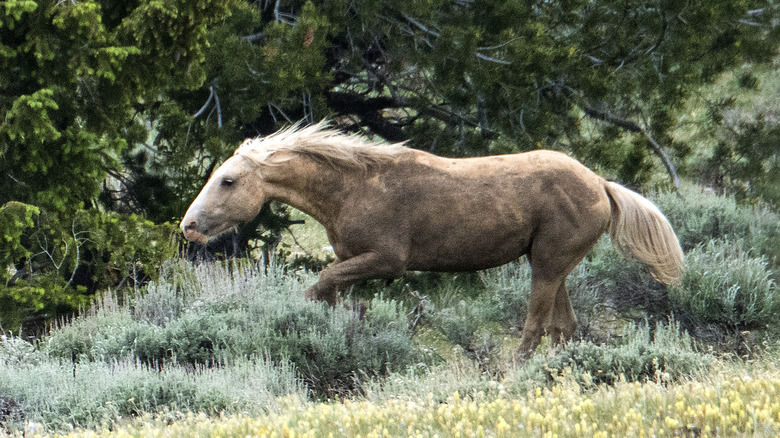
<point x="663" y="354"/>
<point x="57" y="267"/>
<point x="699" y="216"/>
<point x="76" y="71"/>
<point x="731" y="126"/>
<point x="736" y="404"/>
<point x="464" y="79"/>
<point x="729" y="247"/>
<point x="726" y="286"/>
<point x="14" y="351"/>
<point x="211" y="315"/>
<point x="75" y="77"/>
<point x="15" y="218"/>
<point x="225" y="340"/>
<point x="58" y="396"/>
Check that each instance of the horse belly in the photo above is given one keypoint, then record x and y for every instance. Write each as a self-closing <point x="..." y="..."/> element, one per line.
<point x="455" y="240"/>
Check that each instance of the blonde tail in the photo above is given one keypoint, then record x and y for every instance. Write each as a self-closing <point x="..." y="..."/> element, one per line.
<point x="639" y="228"/>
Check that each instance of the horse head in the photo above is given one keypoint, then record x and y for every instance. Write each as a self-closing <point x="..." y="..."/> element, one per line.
<point x="232" y="195"/>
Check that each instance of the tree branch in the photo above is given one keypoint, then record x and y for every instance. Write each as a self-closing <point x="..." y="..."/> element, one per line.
<point x="381" y="126"/>
<point x="422" y="26"/>
<point x="353" y="103"/>
<point x="219" y="107"/>
<point x="670" y="169"/>
<point x="492" y="59"/>
<point x="613" y="119"/>
<point x="205" y="105"/>
<point x="633" y="127"/>
<point x="257" y="36"/>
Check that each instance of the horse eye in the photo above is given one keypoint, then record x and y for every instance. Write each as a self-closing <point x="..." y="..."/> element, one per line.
<point x="226" y="182"/>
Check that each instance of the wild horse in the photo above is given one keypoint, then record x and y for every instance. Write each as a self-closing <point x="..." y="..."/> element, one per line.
<point x="388" y="209"/>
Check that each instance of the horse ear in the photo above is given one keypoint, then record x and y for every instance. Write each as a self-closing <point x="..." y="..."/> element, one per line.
<point x="264" y="156"/>
<point x="276" y="157"/>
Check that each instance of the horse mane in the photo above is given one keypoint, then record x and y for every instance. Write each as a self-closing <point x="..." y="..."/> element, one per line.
<point x="321" y="143"/>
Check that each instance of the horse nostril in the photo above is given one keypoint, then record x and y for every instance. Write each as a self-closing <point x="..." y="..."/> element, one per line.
<point x="191" y="226"/>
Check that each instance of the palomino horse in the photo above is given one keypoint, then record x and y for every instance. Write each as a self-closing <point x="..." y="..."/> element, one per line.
<point x="388" y="209"/>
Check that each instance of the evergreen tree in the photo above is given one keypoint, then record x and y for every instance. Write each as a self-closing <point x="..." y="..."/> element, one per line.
<point x="75" y="76"/>
<point x="603" y="80"/>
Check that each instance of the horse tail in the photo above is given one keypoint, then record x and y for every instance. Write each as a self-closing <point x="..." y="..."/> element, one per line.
<point x="639" y="228"/>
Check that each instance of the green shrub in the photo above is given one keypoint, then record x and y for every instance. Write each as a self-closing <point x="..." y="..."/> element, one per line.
<point x="100" y="336"/>
<point x="480" y="324"/>
<point x="698" y="217"/>
<point x="466" y="323"/>
<point x="507" y="289"/>
<point x="607" y="280"/>
<point x="727" y="286"/>
<point x="213" y="314"/>
<point x="478" y="321"/>
<point x="60" y="264"/>
<point x="641" y="354"/>
<point x="15" y="351"/>
<point x="157" y="307"/>
<point x="100" y="394"/>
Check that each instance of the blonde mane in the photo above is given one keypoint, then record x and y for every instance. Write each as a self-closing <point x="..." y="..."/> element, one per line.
<point x="322" y="143"/>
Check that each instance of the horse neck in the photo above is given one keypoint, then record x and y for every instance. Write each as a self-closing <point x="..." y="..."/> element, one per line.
<point x="314" y="188"/>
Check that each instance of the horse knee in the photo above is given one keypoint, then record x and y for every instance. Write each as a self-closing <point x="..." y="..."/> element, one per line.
<point x="322" y="292"/>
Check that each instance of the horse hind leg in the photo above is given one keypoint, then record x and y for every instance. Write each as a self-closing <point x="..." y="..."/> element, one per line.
<point x="563" y="322"/>
<point x="551" y="313"/>
<point x="541" y="307"/>
<point x="549" y="308"/>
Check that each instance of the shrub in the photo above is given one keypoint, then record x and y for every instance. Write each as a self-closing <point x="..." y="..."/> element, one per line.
<point x="99" y="394"/>
<point x="210" y="314"/>
<point x="15" y="351"/>
<point x="698" y="217"/>
<point x="59" y="264"/>
<point x="607" y="280"/>
<point x="478" y="320"/>
<point x="96" y="337"/>
<point x="727" y="286"/>
<point x="662" y="354"/>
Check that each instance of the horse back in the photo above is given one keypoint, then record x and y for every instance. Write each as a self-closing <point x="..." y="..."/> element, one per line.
<point x="466" y="214"/>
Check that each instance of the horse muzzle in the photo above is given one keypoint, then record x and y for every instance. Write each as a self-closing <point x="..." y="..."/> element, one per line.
<point x="191" y="233"/>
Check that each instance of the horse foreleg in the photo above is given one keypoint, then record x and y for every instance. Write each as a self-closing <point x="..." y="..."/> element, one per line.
<point x="343" y="273"/>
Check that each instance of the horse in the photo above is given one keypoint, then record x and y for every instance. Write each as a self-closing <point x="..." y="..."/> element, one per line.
<point x="388" y="209"/>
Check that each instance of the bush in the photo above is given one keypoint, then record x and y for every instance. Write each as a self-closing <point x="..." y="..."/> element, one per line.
<point x="698" y="217"/>
<point x="206" y="315"/>
<point x="727" y="286"/>
<point x="662" y="354"/>
<point x="478" y="318"/>
<point x="608" y="281"/>
<point x="15" y="351"/>
<point x="100" y="394"/>
<point x="96" y="337"/>
<point x="58" y="265"/>
<point x="728" y="248"/>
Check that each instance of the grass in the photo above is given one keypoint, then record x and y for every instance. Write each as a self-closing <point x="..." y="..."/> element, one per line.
<point x="733" y="399"/>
